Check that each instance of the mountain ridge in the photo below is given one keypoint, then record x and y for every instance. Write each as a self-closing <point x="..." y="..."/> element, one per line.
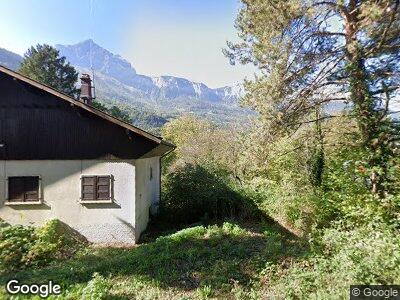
<point x="154" y="87"/>
<point x="167" y="97"/>
<point x="10" y="59"/>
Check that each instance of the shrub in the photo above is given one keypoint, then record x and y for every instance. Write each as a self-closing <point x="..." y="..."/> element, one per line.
<point x="192" y="193"/>
<point x="23" y="246"/>
<point x="15" y="243"/>
<point x="364" y="255"/>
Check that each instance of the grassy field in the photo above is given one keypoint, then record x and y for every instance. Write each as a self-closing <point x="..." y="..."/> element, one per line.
<point x="223" y="261"/>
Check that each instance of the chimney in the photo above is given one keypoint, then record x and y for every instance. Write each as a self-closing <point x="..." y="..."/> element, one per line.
<point x="86" y="89"/>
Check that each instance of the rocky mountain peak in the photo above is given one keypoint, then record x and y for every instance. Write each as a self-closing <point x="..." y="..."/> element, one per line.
<point x="87" y="53"/>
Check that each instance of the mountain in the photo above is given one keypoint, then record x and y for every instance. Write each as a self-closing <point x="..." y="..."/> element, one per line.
<point x="111" y="68"/>
<point x="149" y="99"/>
<point x="86" y="53"/>
<point x="231" y="94"/>
<point x="9" y="59"/>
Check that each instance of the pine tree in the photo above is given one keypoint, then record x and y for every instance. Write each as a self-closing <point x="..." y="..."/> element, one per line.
<point x="315" y="52"/>
<point x="44" y="64"/>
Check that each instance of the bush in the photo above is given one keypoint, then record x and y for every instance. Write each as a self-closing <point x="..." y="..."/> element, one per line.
<point x="23" y="246"/>
<point x="343" y="256"/>
<point x="15" y="243"/>
<point x="192" y="193"/>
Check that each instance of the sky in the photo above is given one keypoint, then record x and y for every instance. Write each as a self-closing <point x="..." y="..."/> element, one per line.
<point x="182" y="38"/>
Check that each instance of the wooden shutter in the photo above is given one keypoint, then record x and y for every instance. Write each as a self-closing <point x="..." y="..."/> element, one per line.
<point x="89" y="188"/>
<point x="16" y="189"/>
<point x="103" y="187"/>
<point x="96" y="188"/>
<point x="31" y="185"/>
<point x="23" y="189"/>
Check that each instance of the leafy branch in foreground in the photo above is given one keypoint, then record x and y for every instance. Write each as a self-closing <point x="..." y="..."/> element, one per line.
<point x="313" y="53"/>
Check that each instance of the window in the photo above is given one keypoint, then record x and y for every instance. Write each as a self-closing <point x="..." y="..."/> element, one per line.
<point x="23" y="189"/>
<point x="96" y="188"/>
<point x="151" y="173"/>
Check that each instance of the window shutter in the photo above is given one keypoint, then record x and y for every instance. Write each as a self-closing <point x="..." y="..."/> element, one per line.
<point x="23" y="189"/>
<point x="96" y="188"/>
<point x="15" y="189"/>
<point x="89" y="188"/>
<point x="31" y="185"/>
<point x="103" y="187"/>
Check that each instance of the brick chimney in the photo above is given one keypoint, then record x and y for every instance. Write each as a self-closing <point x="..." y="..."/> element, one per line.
<point x="86" y="89"/>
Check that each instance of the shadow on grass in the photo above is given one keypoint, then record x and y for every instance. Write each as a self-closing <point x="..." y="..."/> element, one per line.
<point x="216" y="256"/>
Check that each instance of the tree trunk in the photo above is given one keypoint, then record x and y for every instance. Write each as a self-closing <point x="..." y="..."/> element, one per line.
<point x="367" y="117"/>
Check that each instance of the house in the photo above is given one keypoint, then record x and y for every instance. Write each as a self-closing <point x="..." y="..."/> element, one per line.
<point x="62" y="158"/>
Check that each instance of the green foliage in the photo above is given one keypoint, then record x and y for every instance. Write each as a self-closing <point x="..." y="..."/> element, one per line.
<point x="317" y="163"/>
<point x="43" y="64"/>
<point x="205" y="292"/>
<point x="279" y="181"/>
<point x="141" y="117"/>
<point x="96" y="289"/>
<point x="15" y="243"/>
<point x="192" y="193"/>
<point x="306" y="63"/>
<point x="296" y="165"/>
<point x="114" y="110"/>
<point x="366" y="255"/>
<point x="22" y="247"/>
<point x="201" y="142"/>
<point x="218" y="261"/>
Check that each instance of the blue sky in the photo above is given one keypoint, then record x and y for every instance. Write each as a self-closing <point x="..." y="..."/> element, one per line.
<point x="159" y="37"/>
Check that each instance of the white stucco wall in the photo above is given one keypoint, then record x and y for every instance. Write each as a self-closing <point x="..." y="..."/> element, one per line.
<point x="147" y="190"/>
<point x="118" y="222"/>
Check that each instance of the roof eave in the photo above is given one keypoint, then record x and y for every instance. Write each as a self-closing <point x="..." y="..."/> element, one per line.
<point x="82" y="105"/>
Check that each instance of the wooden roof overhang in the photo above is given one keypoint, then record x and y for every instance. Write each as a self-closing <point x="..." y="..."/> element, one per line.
<point x="150" y="145"/>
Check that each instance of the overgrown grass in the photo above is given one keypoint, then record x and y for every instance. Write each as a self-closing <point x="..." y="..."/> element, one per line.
<point x="221" y="261"/>
<point x="228" y="261"/>
<point x="341" y="257"/>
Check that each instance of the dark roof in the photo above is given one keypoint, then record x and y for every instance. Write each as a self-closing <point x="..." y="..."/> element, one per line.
<point x="165" y="146"/>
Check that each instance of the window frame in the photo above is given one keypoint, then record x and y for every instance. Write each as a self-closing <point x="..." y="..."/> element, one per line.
<point x="97" y="201"/>
<point x="7" y="192"/>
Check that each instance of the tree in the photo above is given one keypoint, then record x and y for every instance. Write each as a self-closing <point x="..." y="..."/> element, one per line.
<point x="44" y="64"/>
<point x="115" y="111"/>
<point x="200" y="142"/>
<point x="311" y="53"/>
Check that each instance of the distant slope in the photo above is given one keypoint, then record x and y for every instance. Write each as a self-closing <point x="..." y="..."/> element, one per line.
<point x="151" y="100"/>
<point x="9" y="59"/>
<point x="116" y="70"/>
<point x="166" y="96"/>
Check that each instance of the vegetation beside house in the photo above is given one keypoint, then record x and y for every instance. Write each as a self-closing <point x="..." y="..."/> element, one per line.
<point x="300" y="205"/>
<point x="28" y="247"/>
